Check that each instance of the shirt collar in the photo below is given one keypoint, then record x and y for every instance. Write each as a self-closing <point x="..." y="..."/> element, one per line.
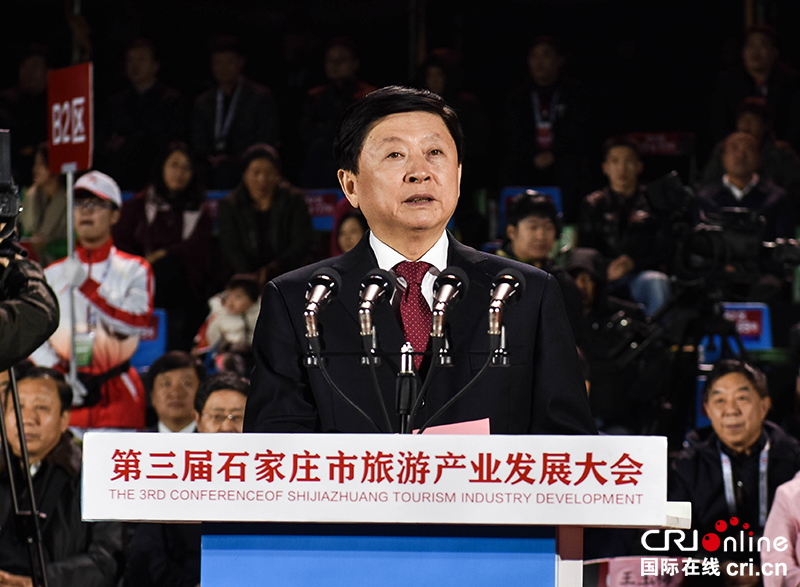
<point x="739" y="194"/>
<point x="190" y="428"/>
<point x="387" y="257"/>
<point x="97" y="255"/>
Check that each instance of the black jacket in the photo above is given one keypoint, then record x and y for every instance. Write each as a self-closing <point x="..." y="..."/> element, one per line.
<point x="289" y="236"/>
<point x="696" y="476"/>
<point x="164" y="555"/>
<point x="616" y="225"/>
<point x="76" y="552"/>
<point x="542" y="391"/>
<point x="28" y="311"/>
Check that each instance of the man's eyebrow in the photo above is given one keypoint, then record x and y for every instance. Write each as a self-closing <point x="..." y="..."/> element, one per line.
<point x="393" y="139"/>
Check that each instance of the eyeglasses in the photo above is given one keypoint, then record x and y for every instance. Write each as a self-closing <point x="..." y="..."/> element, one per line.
<point x="219" y="418"/>
<point x="89" y="204"/>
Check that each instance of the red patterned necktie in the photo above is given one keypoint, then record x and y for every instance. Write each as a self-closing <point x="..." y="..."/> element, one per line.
<point x="414" y="309"/>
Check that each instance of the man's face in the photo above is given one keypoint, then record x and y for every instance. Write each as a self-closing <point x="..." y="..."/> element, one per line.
<point x="586" y="285"/>
<point x="544" y="64"/>
<point x="340" y="64"/>
<point x="226" y="67"/>
<point x="409" y="176"/>
<point x="223" y="412"/>
<point x="173" y="395"/>
<point x="740" y="157"/>
<point x="622" y="168"/>
<point x="94" y="218"/>
<point x="33" y="75"/>
<point x="43" y="422"/>
<point x="736" y="411"/>
<point x="532" y="238"/>
<point x="759" y="53"/>
<point x="751" y="124"/>
<point x="140" y="66"/>
<point x="435" y="79"/>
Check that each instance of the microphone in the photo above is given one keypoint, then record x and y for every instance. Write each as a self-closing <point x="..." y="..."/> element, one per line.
<point x="377" y="286"/>
<point x="507" y="289"/>
<point x="451" y="285"/>
<point x="323" y="286"/>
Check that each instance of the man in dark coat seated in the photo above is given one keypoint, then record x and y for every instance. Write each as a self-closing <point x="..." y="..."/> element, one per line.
<point x="75" y="552"/>
<point x="733" y="468"/>
<point x="399" y="153"/>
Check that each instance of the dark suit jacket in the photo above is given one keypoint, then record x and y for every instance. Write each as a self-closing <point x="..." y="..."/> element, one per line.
<point x="542" y="391"/>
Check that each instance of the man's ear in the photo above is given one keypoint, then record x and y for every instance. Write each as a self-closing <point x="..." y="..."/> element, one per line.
<point x="349" y="181"/>
<point x="115" y="216"/>
<point x="64" y="422"/>
<point x="511" y="232"/>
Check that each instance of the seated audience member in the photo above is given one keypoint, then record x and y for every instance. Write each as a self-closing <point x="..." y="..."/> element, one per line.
<point x="779" y="162"/>
<point x="44" y="211"/>
<point x="784" y="522"/>
<point x="442" y="73"/>
<point x="169" y="224"/>
<point x="763" y="76"/>
<point x="546" y="129"/>
<point x="533" y="227"/>
<point x="233" y="115"/>
<point x="264" y="224"/>
<point x="619" y="222"/>
<point x="351" y="228"/>
<point x="742" y="187"/>
<point x="618" y="400"/>
<point x="220" y="402"/>
<point x="171" y="383"/>
<point x="113" y="304"/>
<point x="324" y="107"/>
<point x="169" y="554"/>
<point x="139" y="121"/>
<point x="23" y="110"/>
<point x="234" y="312"/>
<point x="75" y="552"/>
<point x="720" y="471"/>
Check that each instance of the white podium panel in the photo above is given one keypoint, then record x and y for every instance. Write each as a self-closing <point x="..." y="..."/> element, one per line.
<point x="531" y="480"/>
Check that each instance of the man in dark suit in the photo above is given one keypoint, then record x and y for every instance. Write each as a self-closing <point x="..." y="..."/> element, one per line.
<point x="399" y="153"/>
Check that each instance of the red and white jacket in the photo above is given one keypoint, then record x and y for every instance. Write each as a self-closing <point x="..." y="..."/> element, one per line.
<point x="115" y="303"/>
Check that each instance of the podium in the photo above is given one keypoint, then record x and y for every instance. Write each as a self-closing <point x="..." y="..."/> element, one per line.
<point x="385" y="510"/>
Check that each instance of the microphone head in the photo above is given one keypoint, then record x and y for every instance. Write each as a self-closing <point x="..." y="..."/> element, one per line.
<point x="515" y="279"/>
<point x="328" y="277"/>
<point x="382" y="279"/>
<point x="455" y="277"/>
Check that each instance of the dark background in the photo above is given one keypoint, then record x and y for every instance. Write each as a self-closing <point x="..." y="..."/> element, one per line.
<point x="646" y="65"/>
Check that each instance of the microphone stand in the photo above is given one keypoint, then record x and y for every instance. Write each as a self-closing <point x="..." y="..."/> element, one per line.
<point x="406" y="387"/>
<point x="30" y="519"/>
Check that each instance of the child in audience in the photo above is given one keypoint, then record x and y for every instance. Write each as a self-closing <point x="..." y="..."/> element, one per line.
<point x="229" y="327"/>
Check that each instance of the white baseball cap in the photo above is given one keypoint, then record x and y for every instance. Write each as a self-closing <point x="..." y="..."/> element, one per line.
<point x="101" y="185"/>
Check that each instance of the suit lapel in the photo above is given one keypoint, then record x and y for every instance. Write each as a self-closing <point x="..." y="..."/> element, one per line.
<point x="353" y="267"/>
<point x="468" y="312"/>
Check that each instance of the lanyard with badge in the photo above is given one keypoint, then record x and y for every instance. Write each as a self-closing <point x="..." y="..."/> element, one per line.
<point x="223" y="127"/>
<point x="727" y="478"/>
<point x="544" y="121"/>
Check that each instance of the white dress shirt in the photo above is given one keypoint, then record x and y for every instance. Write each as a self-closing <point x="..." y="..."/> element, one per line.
<point x="388" y="258"/>
<point x="739" y="194"/>
<point x="192" y="427"/>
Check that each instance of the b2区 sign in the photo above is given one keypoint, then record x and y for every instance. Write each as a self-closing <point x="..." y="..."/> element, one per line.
<point x="70" y="115"/>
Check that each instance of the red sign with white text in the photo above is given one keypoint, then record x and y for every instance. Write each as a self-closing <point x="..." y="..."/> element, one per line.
<point x="70" y="117"/>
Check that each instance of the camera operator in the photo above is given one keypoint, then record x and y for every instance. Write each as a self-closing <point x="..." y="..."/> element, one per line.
<point x="28" y="307"/>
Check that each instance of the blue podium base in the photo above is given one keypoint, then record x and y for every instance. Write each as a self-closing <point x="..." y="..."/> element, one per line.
<point x="337" y="555"/>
